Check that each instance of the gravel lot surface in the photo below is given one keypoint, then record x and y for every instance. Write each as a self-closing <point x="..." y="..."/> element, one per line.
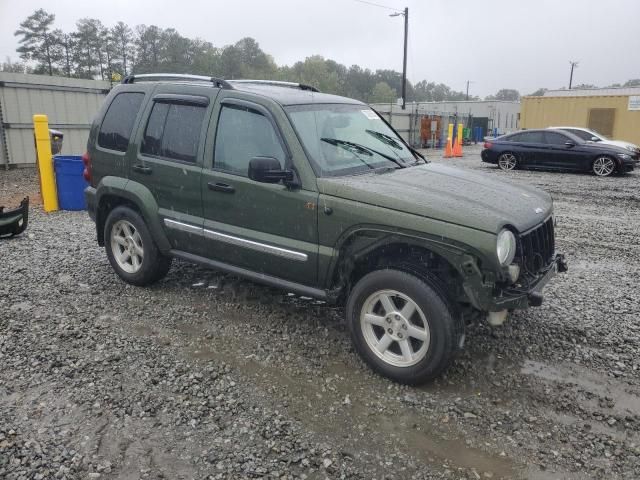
<point x="208" y="376"/>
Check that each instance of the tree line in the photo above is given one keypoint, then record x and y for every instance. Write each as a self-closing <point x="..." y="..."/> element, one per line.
<point x="96" y="51"/>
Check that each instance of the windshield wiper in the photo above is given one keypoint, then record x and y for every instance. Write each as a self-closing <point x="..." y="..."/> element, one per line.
<point x="368" y="150"/>
<point x="337" y="143"/>
<point x="384" y="138"/>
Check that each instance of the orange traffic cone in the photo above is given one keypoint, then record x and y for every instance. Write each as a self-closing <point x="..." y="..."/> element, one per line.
<point x="457" y="149"/>
<point x="448" y="153"/>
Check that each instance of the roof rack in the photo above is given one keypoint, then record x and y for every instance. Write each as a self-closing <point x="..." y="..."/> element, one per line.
<point x="157" y="77"/>
<point x="276" y="83"/>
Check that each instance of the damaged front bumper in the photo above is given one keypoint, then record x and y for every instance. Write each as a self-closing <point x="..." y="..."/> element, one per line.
<point x="14" y="222"/>
<point x="492" y="298"/>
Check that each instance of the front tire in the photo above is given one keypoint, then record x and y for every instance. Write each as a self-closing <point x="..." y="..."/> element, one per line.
<point x="131" y="250"/>
<point x="402" y="326"/>
<point x="603" y="166"/>
<point x="507" y="161"/>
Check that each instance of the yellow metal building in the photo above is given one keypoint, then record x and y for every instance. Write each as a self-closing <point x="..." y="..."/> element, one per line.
<point x="613" y="112"/>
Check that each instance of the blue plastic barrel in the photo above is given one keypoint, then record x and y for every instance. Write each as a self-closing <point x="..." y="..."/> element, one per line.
<point x="70" y="182"/>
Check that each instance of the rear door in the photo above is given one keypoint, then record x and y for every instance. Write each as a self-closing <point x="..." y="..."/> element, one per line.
<point x="533" y="148"/>
<point x="266" y="228"/>
<point x="526" y="146"/>
<point x="169" y="160"/>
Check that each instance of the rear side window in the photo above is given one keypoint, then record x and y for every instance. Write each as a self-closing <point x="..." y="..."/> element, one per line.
<point x="244" y="133"/>
<point x="531" y="137"/>
<point x="173" y="131"/>
<point x="553" y="138"/>
<point x="117" y="124"/>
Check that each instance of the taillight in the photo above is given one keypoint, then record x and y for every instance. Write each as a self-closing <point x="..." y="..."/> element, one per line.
<point x="488" y="144"/>
<point x="86" y="160"/>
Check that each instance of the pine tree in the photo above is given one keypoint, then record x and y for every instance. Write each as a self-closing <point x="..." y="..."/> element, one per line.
<point x="38" y="42"/>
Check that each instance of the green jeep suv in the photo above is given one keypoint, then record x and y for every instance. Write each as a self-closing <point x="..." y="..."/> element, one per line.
<point x="318" y="195"/>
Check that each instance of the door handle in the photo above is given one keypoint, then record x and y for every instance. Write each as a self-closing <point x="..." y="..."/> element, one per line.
<point x="142" y="169"/>
<point x="221" y="187"/>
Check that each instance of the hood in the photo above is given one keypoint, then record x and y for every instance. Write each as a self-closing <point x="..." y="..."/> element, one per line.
<point x="622" y="144"/>
<point x="446" y="193"/>
<point x="608" y="146"/>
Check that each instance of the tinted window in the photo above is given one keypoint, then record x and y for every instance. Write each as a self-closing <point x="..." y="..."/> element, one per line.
<point x="531" y="137"/>
<point x="513" y="138"/>
<point x="580" y="133"/>
<point x="152" y="141"/>
<point x="173" y="131"/>
<point x="117" y="124"/>
<point x="242" y="134"/>
<point x="182" y="132"/>
<point x="553" y="138"/>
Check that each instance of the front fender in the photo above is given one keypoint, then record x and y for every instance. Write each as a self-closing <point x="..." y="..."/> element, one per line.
<point x="113" y="191"/>
<point x="357" y="241"/>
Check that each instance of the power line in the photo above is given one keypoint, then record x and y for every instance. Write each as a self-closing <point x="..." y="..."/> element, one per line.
<point x="378" y="5"/>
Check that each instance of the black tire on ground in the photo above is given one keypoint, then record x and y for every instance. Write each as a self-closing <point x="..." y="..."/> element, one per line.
<point x="442" y="325"/>
<point x="154" y="265"/>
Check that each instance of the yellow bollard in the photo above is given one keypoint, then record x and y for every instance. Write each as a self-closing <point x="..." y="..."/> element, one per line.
<point x="460" y="132"/>
<point x="450" y="131"/>
<point x="45" y="163"/>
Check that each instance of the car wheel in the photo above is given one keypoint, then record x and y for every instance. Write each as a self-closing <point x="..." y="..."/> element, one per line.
<point x="402" y="326"/>
<point x="131" y="250"/>
<point x="603" y="166"/>
<point x="507" y="161"/>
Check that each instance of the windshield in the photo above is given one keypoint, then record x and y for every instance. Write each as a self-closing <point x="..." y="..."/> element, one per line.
<point x="588" y="135"/>
<point x="348" y="139"/>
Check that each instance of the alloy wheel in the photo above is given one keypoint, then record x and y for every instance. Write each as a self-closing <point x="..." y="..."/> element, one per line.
<point x="395" y="328"/>
<point x="507" y="161"/>
<point x="126" y="245"/>
<point x="603" y="166"/>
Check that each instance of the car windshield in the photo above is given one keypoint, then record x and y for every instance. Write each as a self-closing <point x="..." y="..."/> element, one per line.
<point x="348" y="139"/>
<point x="587" y="135"/>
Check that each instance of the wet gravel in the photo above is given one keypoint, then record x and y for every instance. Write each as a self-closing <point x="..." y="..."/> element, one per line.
<point x="208" y="376"/>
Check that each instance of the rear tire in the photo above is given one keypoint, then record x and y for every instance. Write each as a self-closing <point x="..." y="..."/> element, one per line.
<point x="402" y="326"/>
<point x="131" y="250"/>
<point x="507" y="161"/>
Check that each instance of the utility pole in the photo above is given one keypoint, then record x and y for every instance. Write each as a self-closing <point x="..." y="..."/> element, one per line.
<point x="405" y="13"/>
<point x="404" y="61"/>
<point x="468" y="82"/>
<point x="573" y="65"/>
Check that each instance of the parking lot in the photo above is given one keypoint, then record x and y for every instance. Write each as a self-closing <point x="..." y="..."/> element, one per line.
<point x="208" y="376"/>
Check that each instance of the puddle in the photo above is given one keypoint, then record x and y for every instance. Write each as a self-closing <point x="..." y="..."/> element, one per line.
<point x="592" y="426"/>
<point x="625" y="403"/>
<point x="314" y="401"/>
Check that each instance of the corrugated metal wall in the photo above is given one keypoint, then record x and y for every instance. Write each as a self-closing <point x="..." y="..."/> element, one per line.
<point x="69" y="103"/>
<point x="542" y="112"/>
<point x="505" y="116"/>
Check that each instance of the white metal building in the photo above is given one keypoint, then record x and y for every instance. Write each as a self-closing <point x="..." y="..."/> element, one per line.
<point x="70" y="104"/>
<point x="488" y="114"/>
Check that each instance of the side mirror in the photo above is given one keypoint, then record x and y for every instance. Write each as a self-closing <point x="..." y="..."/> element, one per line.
<point x="268" y="170"/>
<point x="569" y="144"/>
<point x="595" y="139"/>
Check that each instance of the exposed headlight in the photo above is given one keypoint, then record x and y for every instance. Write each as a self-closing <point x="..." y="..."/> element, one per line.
<point x="631" y="148"/>
<point x="506" y="247"/>
<point x="624" y="156"/>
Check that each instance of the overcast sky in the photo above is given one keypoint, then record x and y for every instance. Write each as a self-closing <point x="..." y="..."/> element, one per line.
<point x="521" y="44"/>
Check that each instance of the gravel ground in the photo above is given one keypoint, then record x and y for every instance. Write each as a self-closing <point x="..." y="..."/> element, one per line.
<point x="208" y="376"/>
